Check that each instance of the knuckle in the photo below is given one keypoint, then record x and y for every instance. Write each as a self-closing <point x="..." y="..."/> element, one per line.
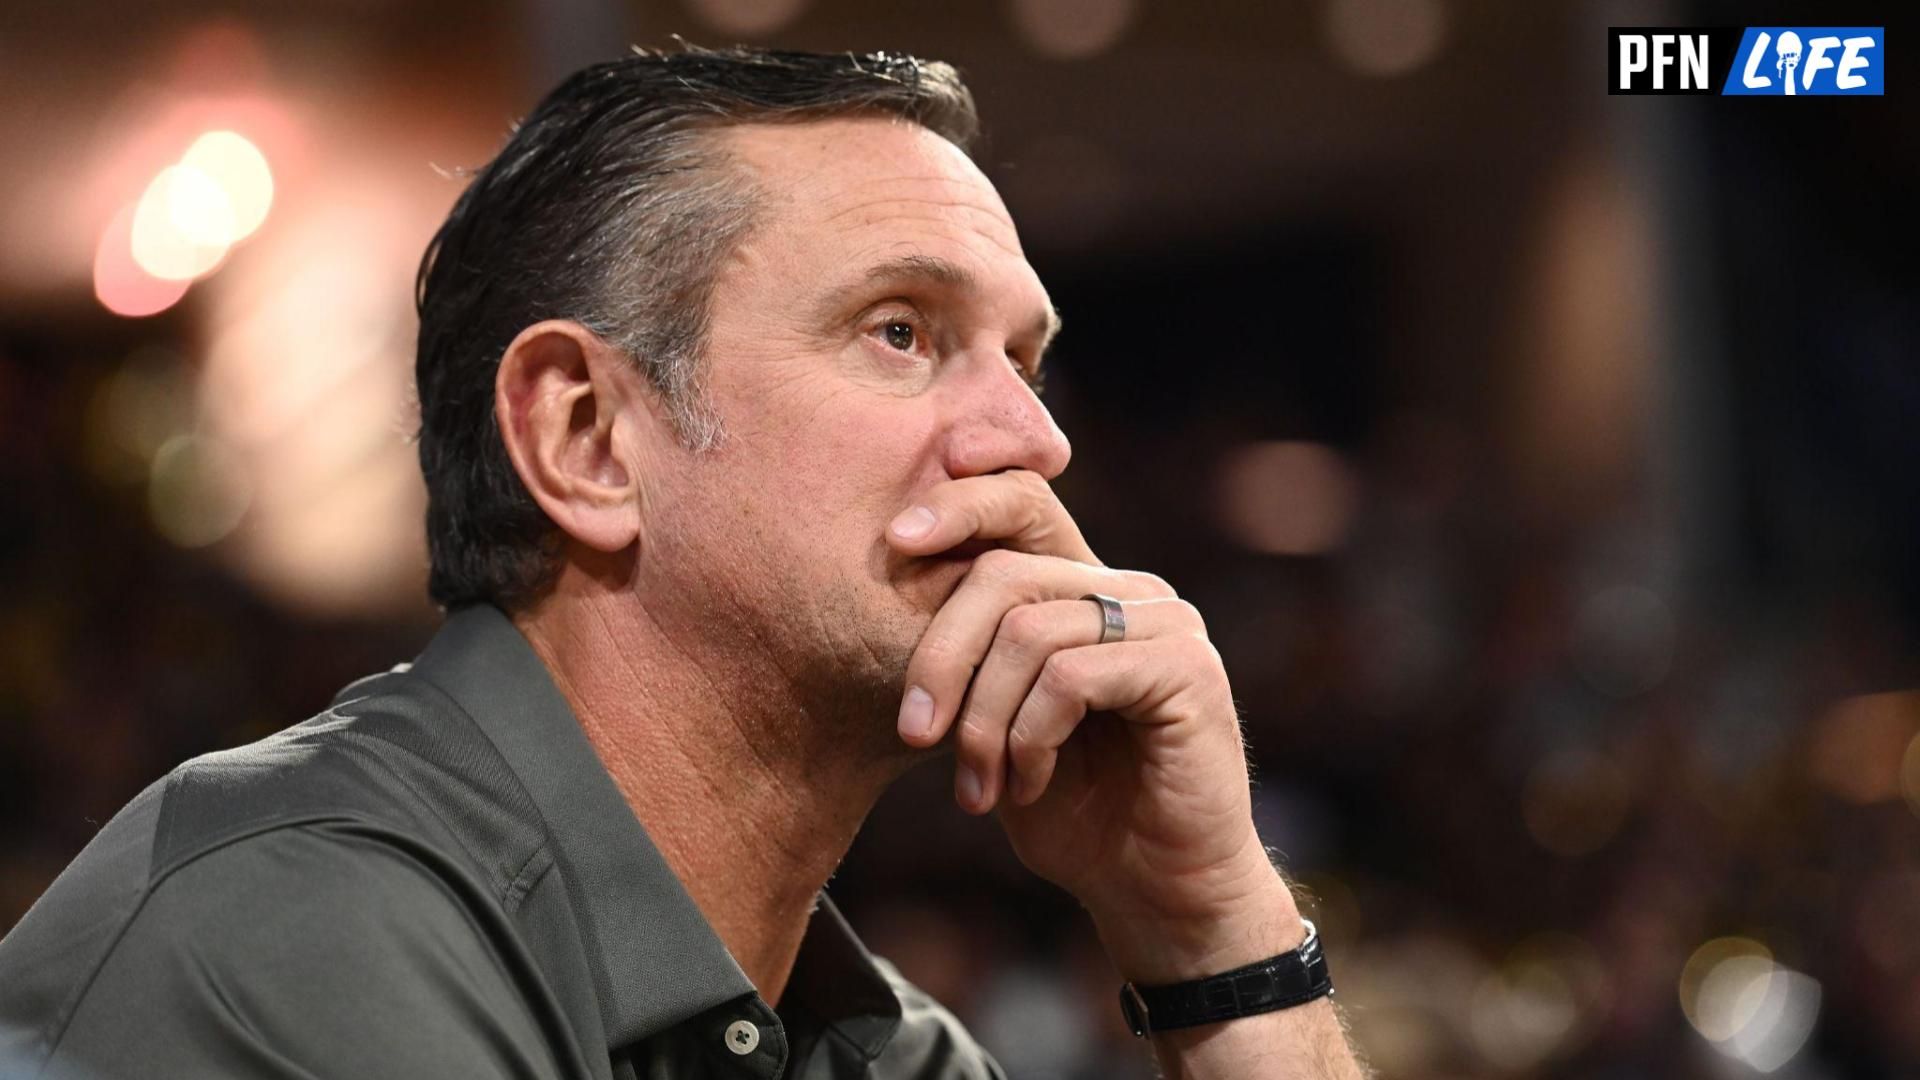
<point x="1020" y="741"/>
<point x="1203" y="652"/>
<point x="973" y="734"/>
<point x="1058" y="675"/>
<point x="1036" y="495"/>
<point x="997" y="564"/>
<point x="1027" y="756"/>
<point x="1023" y="628"/>
<point x="1158" y="586"/>
<point x="1187" y="615"/>
<point x="938" y="652"/>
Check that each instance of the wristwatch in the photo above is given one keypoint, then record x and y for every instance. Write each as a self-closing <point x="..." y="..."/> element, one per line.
<point x="1280" y="982"/>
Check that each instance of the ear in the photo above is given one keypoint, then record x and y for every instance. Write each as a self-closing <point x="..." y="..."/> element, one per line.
<point x="569" y="410"/>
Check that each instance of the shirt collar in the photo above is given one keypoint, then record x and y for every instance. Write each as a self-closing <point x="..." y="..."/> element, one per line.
<point x="838" y="980"/>
<point x="660" y="962"/>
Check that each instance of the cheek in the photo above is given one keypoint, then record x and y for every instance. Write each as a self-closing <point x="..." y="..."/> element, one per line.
<point x="875" y="454"/>
<point x="830" y="460"/>
<point x="832" y="435"/>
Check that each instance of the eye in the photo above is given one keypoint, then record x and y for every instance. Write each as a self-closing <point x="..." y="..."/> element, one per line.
<point x="902" y="330"/>
<point x="900" y="334"/>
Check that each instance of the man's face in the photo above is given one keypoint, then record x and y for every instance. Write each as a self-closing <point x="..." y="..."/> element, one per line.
<point x="871" y="337"/>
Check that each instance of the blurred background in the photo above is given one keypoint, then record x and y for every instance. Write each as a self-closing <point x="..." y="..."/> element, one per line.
<point x="1547" y="464"/>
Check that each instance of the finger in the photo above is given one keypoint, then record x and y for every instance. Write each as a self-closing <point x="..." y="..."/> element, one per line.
<point x="962" y="631"/>
<point x="1135" y="679"/>
<point x="1026" y="637"/>
<point x="1017" y="508"/>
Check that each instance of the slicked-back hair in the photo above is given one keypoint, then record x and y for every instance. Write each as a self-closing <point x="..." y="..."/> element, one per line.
<point x="610" y="205"/>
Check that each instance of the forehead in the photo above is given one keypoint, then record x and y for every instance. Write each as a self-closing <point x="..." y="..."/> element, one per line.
<point x="873" y="187"/>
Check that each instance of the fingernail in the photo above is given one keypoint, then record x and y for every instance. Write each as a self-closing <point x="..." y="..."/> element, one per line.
<point x="916" y="713"/>
<point x="913" y="524"/>
<point x="967" y="786"/>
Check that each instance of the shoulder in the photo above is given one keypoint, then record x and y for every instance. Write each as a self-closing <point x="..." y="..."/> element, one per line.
<point x="355" y="841"/>
<point x="320" y="942"/>
<point x="317" y="904"/>
<point x="391" y="757"/>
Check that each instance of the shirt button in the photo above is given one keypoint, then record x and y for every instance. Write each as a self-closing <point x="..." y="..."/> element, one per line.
<point x="742" y="1037"/>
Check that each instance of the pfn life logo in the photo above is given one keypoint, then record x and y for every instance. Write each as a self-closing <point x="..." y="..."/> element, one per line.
<point x="1753" y="61"/>
<point x="1796" y="60"/>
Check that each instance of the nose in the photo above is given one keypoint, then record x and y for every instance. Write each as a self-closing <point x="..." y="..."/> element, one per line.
<point x="996" y="423"/>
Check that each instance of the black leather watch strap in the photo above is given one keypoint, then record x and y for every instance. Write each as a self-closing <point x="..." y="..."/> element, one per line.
<point x="1280" y="982"/>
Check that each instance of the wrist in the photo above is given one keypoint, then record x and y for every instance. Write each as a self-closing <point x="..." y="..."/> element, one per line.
<point x="1154" y="945"/>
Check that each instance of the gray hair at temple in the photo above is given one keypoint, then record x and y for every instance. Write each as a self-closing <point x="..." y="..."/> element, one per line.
<point x="611" y="206"/>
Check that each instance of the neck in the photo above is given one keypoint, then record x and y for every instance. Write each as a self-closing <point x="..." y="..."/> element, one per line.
<point x="748" y="791"/>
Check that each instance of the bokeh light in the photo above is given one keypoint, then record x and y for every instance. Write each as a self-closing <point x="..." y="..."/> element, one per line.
<point x="1524" y="1012"/>
<point x="1861" y="745"/>
<point x="181" y="225"/>
<point x="1287" y="498"/>
<point x="148" y="400"/>
<point x="1072" y="29"/>
<point x="1721" y="985"/>
<point x="198" y="208"/>
<point x="198" y="491"/>
<point x="1386" y="37"/>
<point x="305" y="377"/>
<point x="1748" y="1006"/>
<point x="1910" y="774"/>
<point x="749" y="18"/>
<point x="120" y="283"/>
<point x="239" y="172"/>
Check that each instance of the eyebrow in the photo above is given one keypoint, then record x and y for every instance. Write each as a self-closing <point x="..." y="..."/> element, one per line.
<point x="933" y="270"/>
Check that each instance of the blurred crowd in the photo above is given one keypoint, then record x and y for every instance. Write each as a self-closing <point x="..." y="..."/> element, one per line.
<point x="1556" y="522"/>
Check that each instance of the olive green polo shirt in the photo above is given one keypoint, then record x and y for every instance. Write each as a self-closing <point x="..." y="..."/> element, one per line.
<point x="435" y="877"/>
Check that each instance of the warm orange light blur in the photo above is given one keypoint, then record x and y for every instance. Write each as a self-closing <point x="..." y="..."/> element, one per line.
<point x="1072" y="29"/>
<point x="182" y="224"/>
<point x="1859" y="744"/>
<point x="239" y="171"/>
<point x="1288" y="498"/>
<point x="1910" y="774"/>
<point x="1723" y="984"/>
<point x="1750" y="1008"/>
<point x="304" y="378"/>
<point x="1386" y="37"/>
<point x="186" y="221"/>
<point x="748" y="17"/>
<point x="118" y="281"/>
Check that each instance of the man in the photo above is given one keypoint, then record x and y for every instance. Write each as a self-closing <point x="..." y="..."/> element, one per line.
<point x="739" y="508"/>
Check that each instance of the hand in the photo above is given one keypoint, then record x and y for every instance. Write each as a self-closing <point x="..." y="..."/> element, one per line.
<point x="1118" y="769"/>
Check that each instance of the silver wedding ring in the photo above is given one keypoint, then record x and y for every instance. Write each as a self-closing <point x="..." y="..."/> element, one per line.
<point x="1113" y="620"/>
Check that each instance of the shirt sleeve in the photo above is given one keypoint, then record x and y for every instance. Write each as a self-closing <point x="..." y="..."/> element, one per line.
<point x="303" y="952"/>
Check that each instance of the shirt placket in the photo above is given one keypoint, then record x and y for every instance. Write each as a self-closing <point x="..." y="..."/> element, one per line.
<point x="747" y="1038"/>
